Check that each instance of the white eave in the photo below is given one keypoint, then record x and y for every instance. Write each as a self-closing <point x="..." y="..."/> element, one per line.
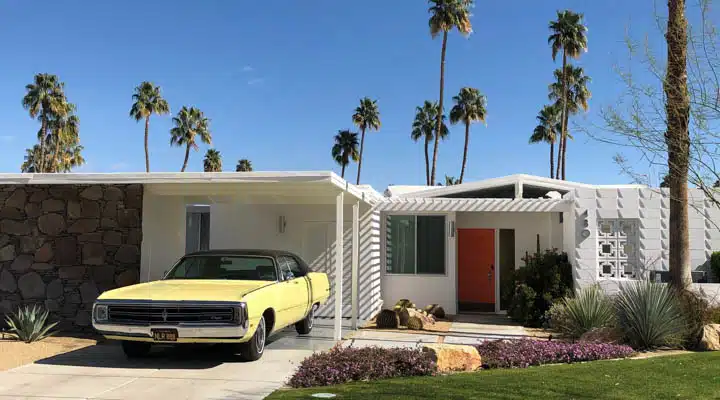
<point x="430" y="205"/>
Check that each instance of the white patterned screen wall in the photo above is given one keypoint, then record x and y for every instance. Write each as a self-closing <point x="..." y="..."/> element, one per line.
<point x="618" y="248"/>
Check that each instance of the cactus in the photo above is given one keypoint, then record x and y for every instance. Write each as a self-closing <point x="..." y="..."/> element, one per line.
<point x="403" y="315"/>
<point x="387" y="319"/>
<point x="415" y="324"/>
<point x="404" y="303"/>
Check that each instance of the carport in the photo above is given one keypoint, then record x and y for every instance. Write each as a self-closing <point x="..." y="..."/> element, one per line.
<point x="301" y="212"/>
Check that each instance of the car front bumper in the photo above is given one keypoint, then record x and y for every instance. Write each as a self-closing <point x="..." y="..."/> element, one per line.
<point x="220" y="333"/>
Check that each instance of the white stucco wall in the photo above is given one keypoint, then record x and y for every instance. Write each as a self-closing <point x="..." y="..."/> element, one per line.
<point x="163" y="226"/>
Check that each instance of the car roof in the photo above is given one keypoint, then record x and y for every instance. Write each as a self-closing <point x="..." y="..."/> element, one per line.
<point x="244" y="252"/>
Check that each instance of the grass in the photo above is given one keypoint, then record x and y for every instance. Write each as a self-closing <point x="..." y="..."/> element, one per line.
<point x="688" y="376"/>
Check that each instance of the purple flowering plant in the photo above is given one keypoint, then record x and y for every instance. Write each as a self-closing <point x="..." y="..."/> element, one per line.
<point x="526" y="352"/>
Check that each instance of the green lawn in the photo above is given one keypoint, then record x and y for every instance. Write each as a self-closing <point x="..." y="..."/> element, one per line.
<point x="688" y="376"/>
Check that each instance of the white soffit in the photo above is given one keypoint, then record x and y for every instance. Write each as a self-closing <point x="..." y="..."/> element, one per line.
<point x="429" y="205"/>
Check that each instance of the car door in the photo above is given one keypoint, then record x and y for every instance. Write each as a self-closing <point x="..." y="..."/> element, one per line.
<point x="300" y="279"/>
<point x="294" y="292"/>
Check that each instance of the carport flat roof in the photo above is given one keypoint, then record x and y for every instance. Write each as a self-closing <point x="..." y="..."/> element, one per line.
<point x="192" y="182"/>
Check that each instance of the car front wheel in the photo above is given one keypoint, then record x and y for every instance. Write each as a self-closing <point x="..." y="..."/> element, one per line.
<point x="305" y="326"/>
<point x="136" y="349"/>
<point x="253" y="349"/>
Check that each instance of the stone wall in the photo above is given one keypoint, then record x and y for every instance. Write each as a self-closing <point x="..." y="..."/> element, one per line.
<point x="63" y="245"/>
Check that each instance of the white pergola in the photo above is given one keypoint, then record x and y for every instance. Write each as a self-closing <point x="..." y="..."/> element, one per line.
<point x="246" y="187"/>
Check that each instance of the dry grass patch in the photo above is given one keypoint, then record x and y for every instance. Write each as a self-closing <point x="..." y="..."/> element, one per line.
<point x="14" y="353"/>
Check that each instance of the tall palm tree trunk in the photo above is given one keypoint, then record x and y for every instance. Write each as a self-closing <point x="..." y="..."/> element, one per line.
<point x="552" y="160"/>
<point x="467" y="141"/>
<point x="342" y="174"/>
<point x="564" y="147"/>
<point x="438" y="125"/>
<point x="559" y="156"/>
<point x="43" y="134"/>
<point x="362" y="147"/>
<point x="147" y="152"/>
<point x="187" y="155"/>
<point x="563" y="135"/>
<point x="427" y="161"/>
<point x="56" y="155"/>
<point x="677" y="106"/>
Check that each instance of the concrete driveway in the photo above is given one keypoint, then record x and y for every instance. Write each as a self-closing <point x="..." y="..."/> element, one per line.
<point x="103" y="372"/>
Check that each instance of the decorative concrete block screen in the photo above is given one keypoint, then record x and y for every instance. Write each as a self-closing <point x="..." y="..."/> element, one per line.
<point x="617" y="248"/>
<point x="63" y="245"/>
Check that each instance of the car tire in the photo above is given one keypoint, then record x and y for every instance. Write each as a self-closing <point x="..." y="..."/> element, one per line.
<point x="136" y="349"/>
<point x="305" y="326"/>
<point x="255" y="347"/>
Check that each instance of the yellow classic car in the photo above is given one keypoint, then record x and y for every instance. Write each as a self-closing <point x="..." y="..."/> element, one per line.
<point x="216" y="296"/>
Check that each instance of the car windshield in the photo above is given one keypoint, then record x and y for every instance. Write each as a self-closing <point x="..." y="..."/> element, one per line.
<point x="251" y="268"/>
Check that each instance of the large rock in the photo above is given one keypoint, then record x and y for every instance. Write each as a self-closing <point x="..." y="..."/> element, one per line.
<point x="44" y="253"/>
<point x="127" y="278"/>
<point x="55" y="289"/>
<point x="4" y="239"/>
<point x="90" y="209"/>
<point x="31" y="286"/>
<point x="85" y="225"/>
<point x="38" y="196"/>
<point x="33" y="210"/>
<point x="108" y="223"/>
<point x="17" y="199"/>
<point x="51" y="224"/>
<point x="82" y="318"/>
<point x="74" y="209"/>
<point x="66" y="252"/>
<point x="88" y="292"/>
<point x="66" y="192"/>
<point x="52" y="305"/>
<point x="710" y="337"/>
<point x="7" y="253"/>
<point x="42" y="267"/>
<point x="11" y="213"/>
<point x="53" y="205"/>
<point x="22" y="263"/>
<point x="95" y="237"/>
<point x="134" y="236"/>
<point x="92" y="193"/>
<point x="112" y="238"/>
<point x="7" y="281"/>
<point x="19" y="228"/>
<point x="113" y="193"/>
<point x="127" y="254"/>
<point x="603" y="335"/>
<point x="104" y="274"/>
<point x="453" y="358"/>
<point x="110" y="210"/>
<point x="71" y="273"/>
<point x="133" y="196"/>
<point x="28" y="244"/>
<point x="128" y="218"/>
<point x="93" y="254"/>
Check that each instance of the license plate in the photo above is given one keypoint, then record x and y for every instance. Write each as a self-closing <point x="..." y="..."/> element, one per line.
<point x="165" y="335"/>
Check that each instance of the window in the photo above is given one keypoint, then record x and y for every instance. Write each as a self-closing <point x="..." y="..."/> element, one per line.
<point x="224" y="267"/>
<point x="617" y="248"/>
<point x="415" y="244"/>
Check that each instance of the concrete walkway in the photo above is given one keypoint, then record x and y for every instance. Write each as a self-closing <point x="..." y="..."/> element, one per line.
<point x="103" y="372"/>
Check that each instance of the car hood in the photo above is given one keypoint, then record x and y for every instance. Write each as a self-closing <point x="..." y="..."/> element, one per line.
<point x="185" y="289"/>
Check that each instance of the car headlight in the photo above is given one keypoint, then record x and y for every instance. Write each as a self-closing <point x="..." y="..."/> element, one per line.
<point x="100" y="312"/>
<point x="241" y="315"/>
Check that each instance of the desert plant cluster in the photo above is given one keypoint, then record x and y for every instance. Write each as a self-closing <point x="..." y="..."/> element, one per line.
<point x="405" y="314"/>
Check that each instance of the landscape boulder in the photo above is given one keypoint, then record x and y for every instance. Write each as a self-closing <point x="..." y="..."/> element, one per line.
<point x="710" y="337"/>
<point x="453" y="357"/>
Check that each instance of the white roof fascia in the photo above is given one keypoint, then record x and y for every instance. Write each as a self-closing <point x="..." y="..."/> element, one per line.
<point x="421" y="205"/>
<point x="163" y="177"/>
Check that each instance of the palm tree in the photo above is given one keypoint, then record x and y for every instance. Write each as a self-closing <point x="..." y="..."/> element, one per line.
<point x="190" y="123"/>
<point x="212" y="161"/>
<point x="424" y="127"/>
<point x="71" y="157"/>
<point x="569" y="35"/>
<point x="366" y="117"/>
<point x="244" y="165"/>
<point x="31" y="160"/>
<point x="470" y="106"/>
<point x="148" y="101"/>
<point x="547" y="130"/>
<point x="43" y="98"/>
<point x="574" y="84"/>
<point x="451" y="180"/>
<point x="444" y="16"/>
<point x="345" y="149"/>
<point x="64" y="129"/>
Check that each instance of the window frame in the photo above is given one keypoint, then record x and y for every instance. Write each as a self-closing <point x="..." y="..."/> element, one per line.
<point x="445" y="242"/>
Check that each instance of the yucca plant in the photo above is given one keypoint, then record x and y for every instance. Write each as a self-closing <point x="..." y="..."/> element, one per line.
<point x="29" y="324"/>
<point x="650" y="315"/>
<point x="590" y="309"/>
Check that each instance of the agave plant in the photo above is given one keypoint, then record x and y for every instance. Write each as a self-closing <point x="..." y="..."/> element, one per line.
<point x="590" y="309"/>
<point x="29" y="324"/>
<point x="650" y="315"/>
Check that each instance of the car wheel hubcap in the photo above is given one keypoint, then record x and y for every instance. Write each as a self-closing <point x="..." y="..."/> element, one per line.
<point x="260" y="337"/>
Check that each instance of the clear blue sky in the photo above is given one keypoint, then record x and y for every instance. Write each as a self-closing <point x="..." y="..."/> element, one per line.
<point x="278" y="78"/>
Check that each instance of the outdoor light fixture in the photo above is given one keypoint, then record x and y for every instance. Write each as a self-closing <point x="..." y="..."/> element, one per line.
<point x="281" y="224"/>
<point x="452" y="229"/>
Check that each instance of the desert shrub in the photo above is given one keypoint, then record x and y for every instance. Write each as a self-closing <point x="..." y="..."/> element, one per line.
<point x="403" y="315"/>
<point x="549" y="275"/>
<point x="555" y="317"/>
<point x="404" y="303"/>
<point x="415" y="323"/>
<point x="524" y="353"/>
<point x="715" y="265"/>
<point x="342" y="365"/>
<point x="29" y="324"/>
<point x="591" y="308"/>
<point x="714" y="313"/>
<point x="650" y="315"/>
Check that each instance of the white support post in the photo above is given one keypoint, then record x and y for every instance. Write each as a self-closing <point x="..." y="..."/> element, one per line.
<point x="337" y="334"/>
<point x="355" y="261"/>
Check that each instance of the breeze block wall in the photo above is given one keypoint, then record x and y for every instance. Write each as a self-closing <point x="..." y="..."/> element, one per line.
<point x="63" y="245"/>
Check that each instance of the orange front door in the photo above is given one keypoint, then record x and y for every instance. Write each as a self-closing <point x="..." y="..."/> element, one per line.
<point x="476" y="266"/>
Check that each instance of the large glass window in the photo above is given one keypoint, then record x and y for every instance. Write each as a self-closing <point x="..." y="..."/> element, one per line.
<point x="415" y="244"/>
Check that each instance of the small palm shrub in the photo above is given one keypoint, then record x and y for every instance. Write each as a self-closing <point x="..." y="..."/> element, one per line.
<point x="29" y="324"/>
<point x="590" y="309"/>
<point x="650" y="315"/>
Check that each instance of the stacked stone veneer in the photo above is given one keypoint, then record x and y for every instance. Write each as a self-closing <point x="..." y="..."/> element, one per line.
<point x="63" y="245"/>
<point x="650" y="207"/>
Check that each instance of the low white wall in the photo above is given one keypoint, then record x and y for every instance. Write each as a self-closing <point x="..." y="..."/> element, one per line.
<point x="163" y="226"/>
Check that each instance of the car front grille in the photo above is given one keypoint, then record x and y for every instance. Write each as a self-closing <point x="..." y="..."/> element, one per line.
<point x="169" y="314"/>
